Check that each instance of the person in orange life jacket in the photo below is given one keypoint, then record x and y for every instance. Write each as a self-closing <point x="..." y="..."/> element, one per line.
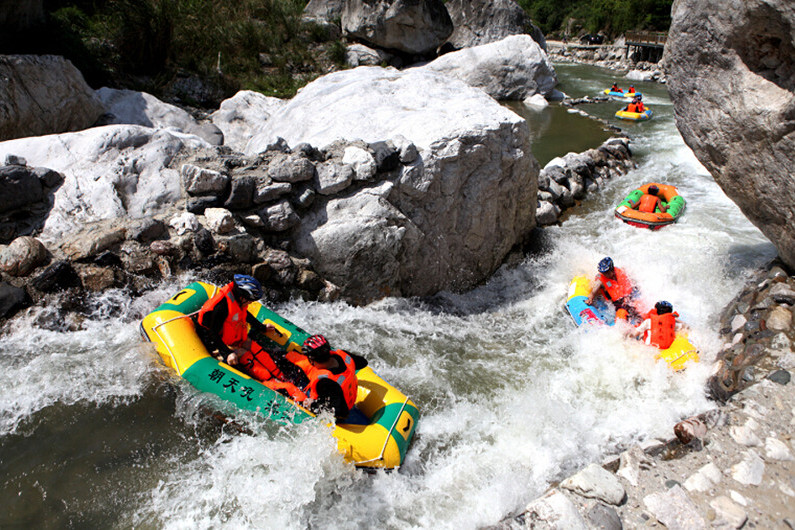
<point x="615" y="88"/>
<point x="631" y="89"/>
<point x="222" y="325"/>
<point x="638" y="101"/>
<point x="331" y="381"/>
<point x="660" y="326"/>
<point x="650" y="201"/>
<point x="632" y="107"/>
<point x="617" y="288"/>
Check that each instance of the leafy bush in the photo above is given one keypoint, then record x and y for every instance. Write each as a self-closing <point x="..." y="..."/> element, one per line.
<point x="613" y="17"/>
<point x="144" y="43"/>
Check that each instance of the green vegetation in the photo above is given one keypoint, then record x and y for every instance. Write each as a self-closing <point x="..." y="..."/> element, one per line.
<point x="149" y="44"/>
<point x="613" y="17"/>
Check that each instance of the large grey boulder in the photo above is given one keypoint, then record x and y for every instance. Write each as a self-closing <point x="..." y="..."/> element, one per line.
<point x="513" y="68"/>
<point x="411" y="26"/>
<point x="731" y="76"/>
<point x="44" y="94"/>
<point x="324" y="10"/>
<point x="447" y="219"/>
<point x="479" y="22"/>
<point x="243" y="115"/>
<point x="140" y="108"/>
<point x="109" y="172"/>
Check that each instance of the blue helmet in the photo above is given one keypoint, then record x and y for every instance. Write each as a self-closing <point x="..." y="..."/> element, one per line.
<point x="606" y="265"/>
<point x="663" y="307"/>
<point x="249" y="286"/>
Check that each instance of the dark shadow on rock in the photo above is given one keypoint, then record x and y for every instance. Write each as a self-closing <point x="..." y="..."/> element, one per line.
<point x="27" y="196"/>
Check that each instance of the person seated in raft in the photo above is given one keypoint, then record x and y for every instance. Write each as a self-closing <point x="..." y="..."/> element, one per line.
<point x="617" y="288"/>
<point x="330" y="380"/>
<point x="222" y="325"/>
<point x="639" y="107"/>
<point x="660" y="326"/>
<point x="615" y="88"/>
<point x="631" y="89"/>
<point x="650" y="202"/>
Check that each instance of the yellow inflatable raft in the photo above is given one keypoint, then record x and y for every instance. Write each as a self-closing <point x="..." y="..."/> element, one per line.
<point x="634" y="116"/>
<point x="379" y="428"/>
<point x="600" y="311"/>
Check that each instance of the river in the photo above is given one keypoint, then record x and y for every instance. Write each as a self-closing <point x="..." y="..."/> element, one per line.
<point x="95" y="433"/>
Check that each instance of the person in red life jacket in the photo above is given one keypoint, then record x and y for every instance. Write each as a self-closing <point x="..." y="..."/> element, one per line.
<point x="638" y="101"/>
<point x="651" y="202"/>
<point x="331" y="381"/>
<point x="660" y="326"/>
<point x="615" y="283"/>
<point x="615" y="88"/>
<point x="223" y="323"/>
<point x="631" y="89"/>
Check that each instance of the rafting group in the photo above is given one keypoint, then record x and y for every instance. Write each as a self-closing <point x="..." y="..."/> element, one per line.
<point x="635" y="110"/>
<point x="223" y="341"/>
<point x="611" y="297"/>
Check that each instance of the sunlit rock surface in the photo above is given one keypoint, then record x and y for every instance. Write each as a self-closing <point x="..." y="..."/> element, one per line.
<point x="731" y="71"/>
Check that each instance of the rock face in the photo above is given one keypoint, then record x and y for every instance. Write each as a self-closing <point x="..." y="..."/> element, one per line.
<point x="732" y="81"/>
<point x="44" y="94"/>
<point x="513" y="68"/>
<point x="479" y="22"/>
<point x="410" y="26"/>
<point x="108" y="172"/>
<point x="324" y="10"/>
<point x="243" y="115"/>
<point x="452" y="211"/>
<point x="140" y="108"/>
<point x="26" y="198"/>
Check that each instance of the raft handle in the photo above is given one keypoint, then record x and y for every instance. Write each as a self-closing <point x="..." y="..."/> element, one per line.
<point x="386" y="440"/>
<point x="170" y="353"/>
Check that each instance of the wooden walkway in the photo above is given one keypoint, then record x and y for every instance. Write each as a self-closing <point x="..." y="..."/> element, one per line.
<point x="647" y="45"/>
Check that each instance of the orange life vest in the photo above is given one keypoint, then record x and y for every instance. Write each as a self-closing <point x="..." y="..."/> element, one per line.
<point x="347" y="379"/>
<point x="648" y="203"/>
<point x="639" y="107"/>
<point x="618" y="288"/>
<point x="631" y="90"/>
<point x="235" y="329"/>
<point x="663" y="329"/>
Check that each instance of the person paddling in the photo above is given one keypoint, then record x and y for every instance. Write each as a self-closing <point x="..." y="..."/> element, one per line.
<point x="660" y="326"/>
<point x="222" y="324"/>
<point x="617" y="287"/>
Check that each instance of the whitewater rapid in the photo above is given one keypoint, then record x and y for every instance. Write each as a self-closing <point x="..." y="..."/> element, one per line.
<point x="512" y="396"/>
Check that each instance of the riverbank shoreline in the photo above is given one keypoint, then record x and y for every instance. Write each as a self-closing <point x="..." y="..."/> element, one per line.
<point x="610" y="56"/>
<point x="724" y="468"/>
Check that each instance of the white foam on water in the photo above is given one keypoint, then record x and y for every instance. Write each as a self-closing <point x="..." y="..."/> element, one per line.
<point x="512" y="395"/>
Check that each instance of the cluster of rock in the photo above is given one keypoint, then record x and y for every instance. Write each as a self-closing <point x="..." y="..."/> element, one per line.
<point x="400" y="33"/>
<point x="568" y="179"/>
<point x="758" y="331"/>
<point x="739" y="62"/>
<point x="610" y="56"/>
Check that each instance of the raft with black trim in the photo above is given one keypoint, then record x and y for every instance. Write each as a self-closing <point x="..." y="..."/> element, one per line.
<point x="628" y="212"/>
<point x="382" y="422"/>
<point x="600" y="311"/>
<point x="634" y="116"/>
<point x="621" y="94"/>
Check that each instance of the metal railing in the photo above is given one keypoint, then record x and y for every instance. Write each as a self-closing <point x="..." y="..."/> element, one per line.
<point x="646" y="37"/>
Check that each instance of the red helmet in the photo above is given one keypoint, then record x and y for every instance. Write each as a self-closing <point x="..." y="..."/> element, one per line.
<point x="316" y="347"/>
